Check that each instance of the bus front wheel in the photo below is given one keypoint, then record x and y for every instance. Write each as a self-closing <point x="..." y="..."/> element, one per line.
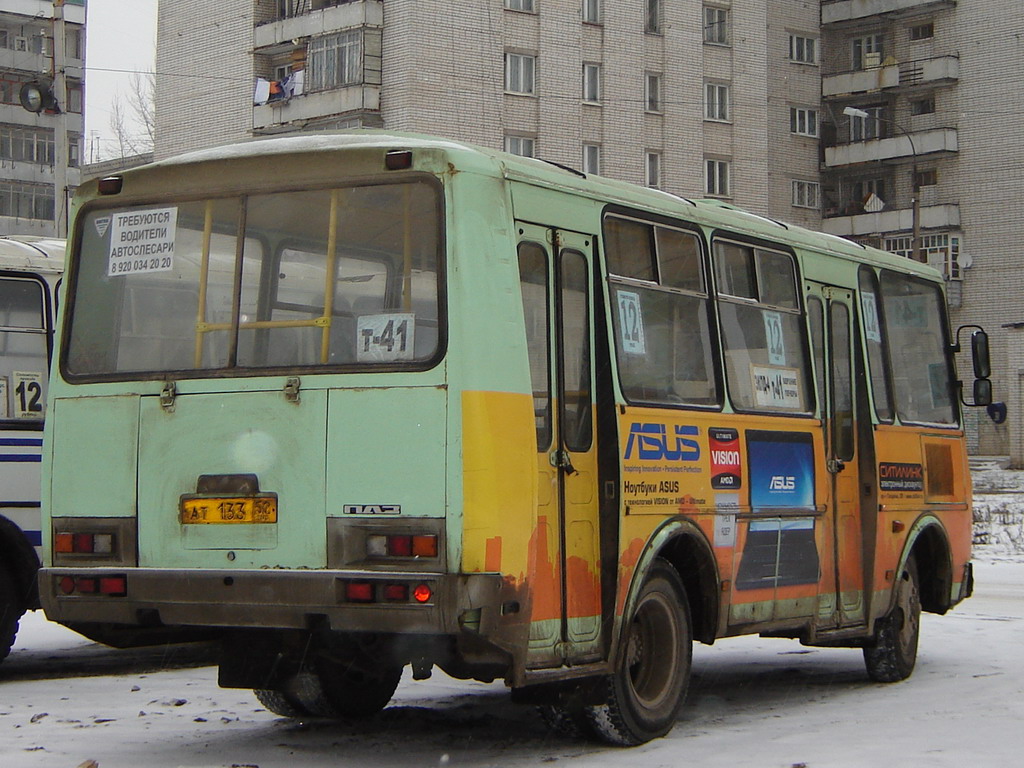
<point x="646" y="691"/>
<point x="892" y="655"/>
<point x="10" y="612"/>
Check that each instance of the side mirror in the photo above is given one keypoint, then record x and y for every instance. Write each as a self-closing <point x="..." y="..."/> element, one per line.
<point x="979" y="354"/>
<point x="982" y="392"/>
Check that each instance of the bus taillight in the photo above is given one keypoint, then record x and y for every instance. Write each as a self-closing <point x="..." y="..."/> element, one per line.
<point x="83" y="543"/>
<point x="401" y="545"/>
<point x="114" y="586"/>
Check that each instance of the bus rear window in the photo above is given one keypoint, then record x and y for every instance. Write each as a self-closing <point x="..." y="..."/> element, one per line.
<point x="342" y="277"/>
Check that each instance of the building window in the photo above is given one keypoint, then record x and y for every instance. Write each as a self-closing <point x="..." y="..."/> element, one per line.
<point x="867" y="51"/>
<point x="653" y="170"/>
<point x="806" y="194"/>
<point x="334" y="61"/>
<point x="942" y="251"/>
<point x="652" y="91"/>
<point x="716" y="25"/>
<point x="652" y="18"/>
<point x="716" y="178"/>
<point x="922" y="31"/>
<point x="26" y="201"/>
<point x="592" y="158"/>
<point x="716" y="102"/>
<point x="803" y="121"/>
<point x="592" y="11"/>
<point x="926" y="177"/>
<point x="520" y="5"/>
<point x="592" y="83"/>
<point x="75" y="99"/>
<point x="865" y="128"/>
<point x="925" y="106"/>
<point x="520" y="145"/>
<point x="26" y="145"/>
<point x="803" y="49"/>
<point x="520" y="72"/>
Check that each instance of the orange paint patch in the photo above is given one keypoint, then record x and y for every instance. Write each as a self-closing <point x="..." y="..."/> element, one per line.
<point x="584" y="594"/>
<point x="627" y="565"/>
<point x="545" y="576"/>
<point x="492" y="556"/>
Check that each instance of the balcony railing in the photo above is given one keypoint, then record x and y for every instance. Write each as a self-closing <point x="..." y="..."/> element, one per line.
<point x="838" y="11"/>
<point x="919" y="143"/>
<point x="905" y="74"/>
<point x="856" y="224"/>
<point x="287" y="9"/>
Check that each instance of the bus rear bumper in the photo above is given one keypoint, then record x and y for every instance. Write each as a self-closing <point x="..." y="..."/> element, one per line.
<point x="433" y="603"/>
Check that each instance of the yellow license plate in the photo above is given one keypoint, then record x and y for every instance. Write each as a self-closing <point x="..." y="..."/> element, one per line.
<point x="228" y="509"/>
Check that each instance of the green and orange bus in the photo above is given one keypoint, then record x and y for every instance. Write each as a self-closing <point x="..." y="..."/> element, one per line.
<point x="360" y="401"/>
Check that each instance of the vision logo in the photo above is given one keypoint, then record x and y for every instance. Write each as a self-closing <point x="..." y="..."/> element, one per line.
<point x="782" y="483"/>
<point x="652" y="442"/>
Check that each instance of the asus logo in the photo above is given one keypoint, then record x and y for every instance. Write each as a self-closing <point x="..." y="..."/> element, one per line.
<point x="782" y="483"/>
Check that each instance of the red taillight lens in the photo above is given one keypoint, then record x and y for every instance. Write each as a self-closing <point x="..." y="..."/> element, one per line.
<point x="83" y="543"/>
<point x="114" y="585"/>
<point x="86" y="586"/>
<point x="396" y="593"/>
<point x="400" y="546"/>
<point x="359" y="592"/>
<point x="66" y="584"/>
<point x="422" y="593"/>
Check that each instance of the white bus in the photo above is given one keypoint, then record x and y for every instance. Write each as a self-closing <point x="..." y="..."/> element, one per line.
<point x="30" y="271"/>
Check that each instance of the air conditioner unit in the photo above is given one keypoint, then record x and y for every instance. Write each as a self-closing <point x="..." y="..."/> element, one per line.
<point x="872" y="60"/>
<point x="21" y="43"/>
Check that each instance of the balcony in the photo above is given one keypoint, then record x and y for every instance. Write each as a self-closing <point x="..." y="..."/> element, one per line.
<point x="299" y="110"/>
<point x="901" y="220"/>
<point x="282" y="32"/>
<point x="934" y="71"/>
<point x="919" y="143"/>
<point x="851" y="10"/>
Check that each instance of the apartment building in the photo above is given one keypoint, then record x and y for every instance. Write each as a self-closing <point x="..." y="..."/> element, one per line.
<point x="872" y="119"/>
<point x="686" y="96"/>
<point x="29" y="163"/>
<point x="922" y="134"/>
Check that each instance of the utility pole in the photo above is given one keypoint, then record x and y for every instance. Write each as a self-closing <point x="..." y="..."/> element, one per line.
<point x="60" y="138"/>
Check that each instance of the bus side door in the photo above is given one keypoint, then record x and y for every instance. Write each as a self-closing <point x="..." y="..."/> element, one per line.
<point x="565" y="561"/>
<point x="831" y="311"/>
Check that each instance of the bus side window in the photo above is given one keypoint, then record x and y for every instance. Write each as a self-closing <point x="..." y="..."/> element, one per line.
<point x="763" y="334"/>
<point x="23" y="361"/>
<point x="661" y="313"/>
<point x="871" y="318"/>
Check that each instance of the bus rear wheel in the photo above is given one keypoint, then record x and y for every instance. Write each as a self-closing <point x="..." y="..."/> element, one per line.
<point x="357" y="687"/>
<point x="646" y="691"/>
<point x="893" y="654"/>
<point x="301" y="696"/>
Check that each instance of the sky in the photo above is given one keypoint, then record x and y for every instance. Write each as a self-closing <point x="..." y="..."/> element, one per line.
<point x="120" y="39"/>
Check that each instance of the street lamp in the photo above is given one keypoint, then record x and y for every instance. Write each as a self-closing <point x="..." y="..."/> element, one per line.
<point x="915" y="201"/>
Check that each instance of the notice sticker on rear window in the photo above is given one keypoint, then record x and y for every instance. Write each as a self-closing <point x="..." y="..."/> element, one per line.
<point x="142" y="241"/>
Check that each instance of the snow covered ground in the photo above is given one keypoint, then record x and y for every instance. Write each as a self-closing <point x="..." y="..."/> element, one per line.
<point x="753" y="703"/>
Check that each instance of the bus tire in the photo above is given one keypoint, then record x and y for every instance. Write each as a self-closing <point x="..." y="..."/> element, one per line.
<point x="567" y="720"/>
<point x="357" y="688"/>
<point x="11" y="610"/>
<point x="892" y="655"/>
<point x="646" y="690"/>
<point x="301" y="696"/>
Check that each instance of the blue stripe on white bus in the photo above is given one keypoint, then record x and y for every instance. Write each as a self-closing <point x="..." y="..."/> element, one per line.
<point x="19" y="457"/>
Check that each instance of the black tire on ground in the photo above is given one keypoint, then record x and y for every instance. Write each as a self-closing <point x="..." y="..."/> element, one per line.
<point x="357" y="687"/>
<point x="568" y="720"/>
<point x="646" y="691"/>
<point x="892" y="655"/>
<point x="301" y="696"/>
<point x="11" y="610"/>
